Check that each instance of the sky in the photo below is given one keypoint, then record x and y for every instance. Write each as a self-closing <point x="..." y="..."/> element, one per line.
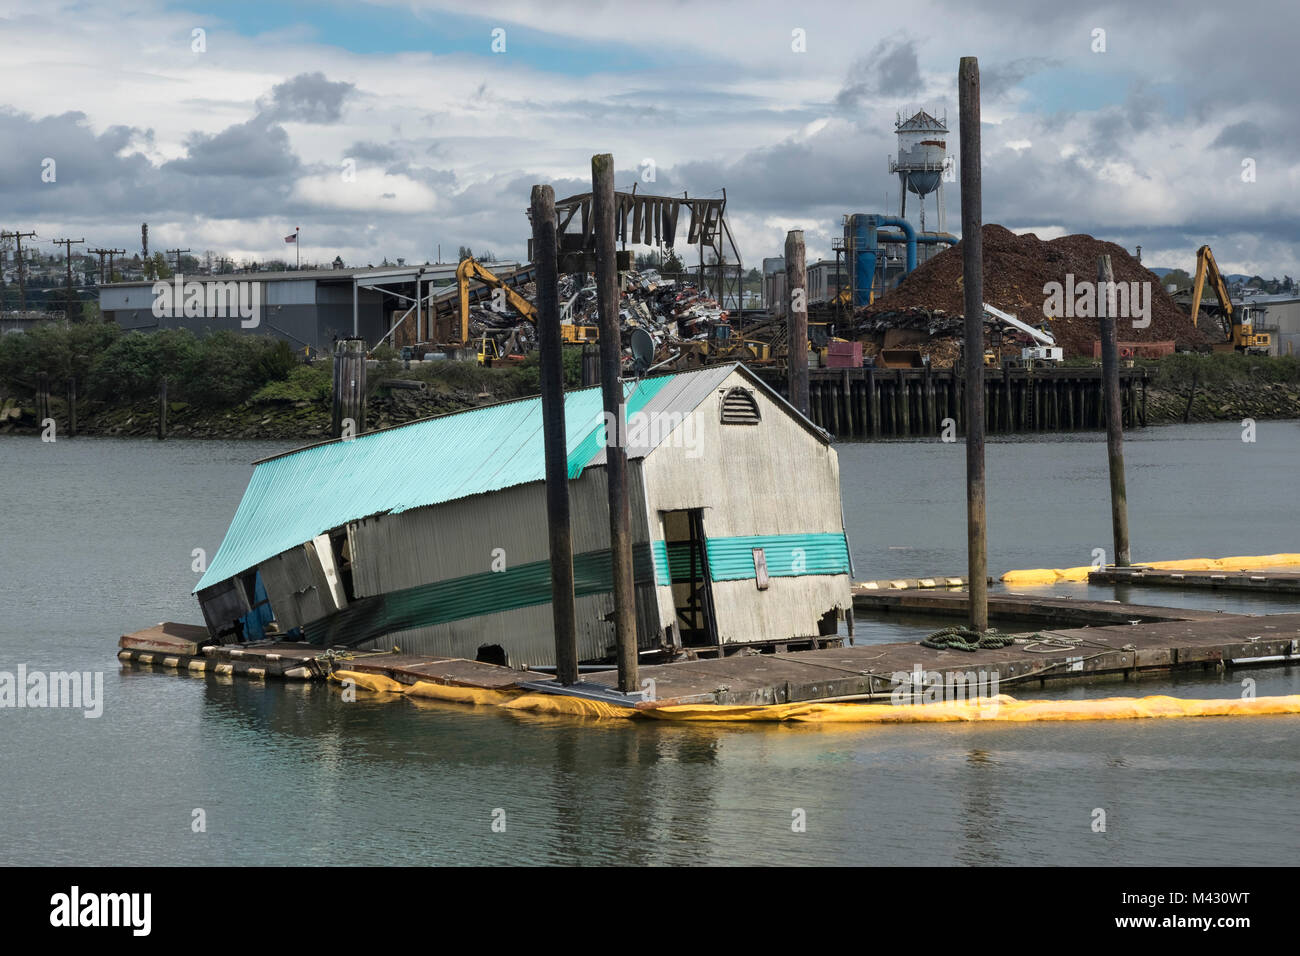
<point x="386" y="129"/>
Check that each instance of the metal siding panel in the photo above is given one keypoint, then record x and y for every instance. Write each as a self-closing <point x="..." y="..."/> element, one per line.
<point x="293" y="498"/>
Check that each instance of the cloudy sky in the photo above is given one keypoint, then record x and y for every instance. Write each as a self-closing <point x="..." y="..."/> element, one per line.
<point x="229" y="138"/>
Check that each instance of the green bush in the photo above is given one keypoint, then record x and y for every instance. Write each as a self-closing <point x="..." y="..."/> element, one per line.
<point x="60" y="349"/>
<point x="306" y="383"/>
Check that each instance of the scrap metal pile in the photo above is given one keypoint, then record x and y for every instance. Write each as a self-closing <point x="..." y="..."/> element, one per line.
<point x="679" y="316"/>
<point x="925" y="310"/>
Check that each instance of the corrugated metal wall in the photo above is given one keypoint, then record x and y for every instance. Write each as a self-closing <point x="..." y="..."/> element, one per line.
<point x="442" y="542"/>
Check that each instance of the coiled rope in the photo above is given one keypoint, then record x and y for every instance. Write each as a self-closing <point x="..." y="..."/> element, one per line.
<point x="963" y="638"/>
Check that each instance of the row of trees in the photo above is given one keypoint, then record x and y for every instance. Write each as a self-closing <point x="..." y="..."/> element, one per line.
<point x="222" y="368"/>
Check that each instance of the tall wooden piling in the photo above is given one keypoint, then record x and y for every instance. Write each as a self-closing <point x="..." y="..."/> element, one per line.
<point x="42" y="398"/>
<point x="551" y="354"/>
<point x="72" y="406"/>
<point x="968" y="94"/>
<point x="611" y="361"/>
<point x="349" y="396"/>
<point x="1114" y="411"/>
<point x="162" y="409"/>
<point x="796" y="281"/>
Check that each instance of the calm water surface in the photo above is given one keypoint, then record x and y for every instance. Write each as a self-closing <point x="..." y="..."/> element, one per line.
<point x="96" y="538"/>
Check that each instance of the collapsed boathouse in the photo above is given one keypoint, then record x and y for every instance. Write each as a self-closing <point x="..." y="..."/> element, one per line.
<point x="432" y="536"/>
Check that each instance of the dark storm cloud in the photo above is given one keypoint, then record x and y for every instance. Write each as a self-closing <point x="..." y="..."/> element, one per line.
<point x="998" y="79"/>
<point x="307" y="98"/>
<point x="1244" y="135"/>
<point x="258" y="149"/>
<point x="890" y="69"/>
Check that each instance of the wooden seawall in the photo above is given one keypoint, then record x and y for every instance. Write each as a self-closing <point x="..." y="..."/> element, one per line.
<point x="899" y="403"/>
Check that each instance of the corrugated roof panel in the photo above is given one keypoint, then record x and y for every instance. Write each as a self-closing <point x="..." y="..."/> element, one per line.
<point x="294" y="497"/>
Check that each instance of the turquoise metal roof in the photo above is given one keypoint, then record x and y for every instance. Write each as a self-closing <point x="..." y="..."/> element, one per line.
<point x="294" y="497"/>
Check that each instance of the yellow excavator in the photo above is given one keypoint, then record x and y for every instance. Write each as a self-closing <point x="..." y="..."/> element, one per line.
<point x="1241" y="334"/>
<point x="471" y="269"/>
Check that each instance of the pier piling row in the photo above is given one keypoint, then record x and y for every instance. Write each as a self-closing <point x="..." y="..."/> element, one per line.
<point x="918" y="403"/>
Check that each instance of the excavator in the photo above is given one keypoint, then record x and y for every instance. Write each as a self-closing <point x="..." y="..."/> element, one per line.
<point x="471" y="269"/>
<point x="1241" y="336"/>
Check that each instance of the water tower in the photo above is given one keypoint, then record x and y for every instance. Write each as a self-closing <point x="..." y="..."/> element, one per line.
<point x="922" y="152"/>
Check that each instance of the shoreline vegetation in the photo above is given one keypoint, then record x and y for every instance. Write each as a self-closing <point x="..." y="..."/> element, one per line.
<point x="231" y="386"/>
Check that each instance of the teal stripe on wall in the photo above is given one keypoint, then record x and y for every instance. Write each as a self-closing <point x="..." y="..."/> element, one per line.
<point x="474" y="595"/>
<point x="732" y="559"/>
<point x="787" y="555"/>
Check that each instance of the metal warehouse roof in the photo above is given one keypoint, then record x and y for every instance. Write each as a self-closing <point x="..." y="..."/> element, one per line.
<point x="294" y="497"/>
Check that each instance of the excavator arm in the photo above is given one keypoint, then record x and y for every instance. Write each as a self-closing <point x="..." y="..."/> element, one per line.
<point x="472" y="269"/>
<point x="1206" y="267"/>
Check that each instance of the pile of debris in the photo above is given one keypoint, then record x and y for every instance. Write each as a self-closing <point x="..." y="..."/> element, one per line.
<point x="927" y="306"/>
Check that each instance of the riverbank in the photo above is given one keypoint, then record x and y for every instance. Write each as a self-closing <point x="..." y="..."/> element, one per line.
<point x="309" y="419"/>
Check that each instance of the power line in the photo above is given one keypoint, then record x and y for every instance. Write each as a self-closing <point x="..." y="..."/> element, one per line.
<point x="22" y="281"/>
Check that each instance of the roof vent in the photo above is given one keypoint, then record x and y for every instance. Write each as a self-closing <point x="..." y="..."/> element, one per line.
<point x="739" y="407"/>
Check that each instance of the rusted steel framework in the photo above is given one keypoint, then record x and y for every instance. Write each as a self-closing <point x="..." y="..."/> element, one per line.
<point x="656" y="221"/>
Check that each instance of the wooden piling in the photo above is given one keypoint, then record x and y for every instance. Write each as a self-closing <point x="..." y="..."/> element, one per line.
<point x="551" y="353"/>
<point x="162" y="409"/>
<point x="348" y="400"/>
<point x="968" y="93"/>
<point x="42" y="398"/>
<point x="796" y="280"/>
<point x="72" y="406"/>
<point x="1114" y="414"/>
<point x="611" y="366"/>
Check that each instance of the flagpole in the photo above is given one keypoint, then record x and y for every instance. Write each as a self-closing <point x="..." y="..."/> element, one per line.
<point x="297" y="245"/>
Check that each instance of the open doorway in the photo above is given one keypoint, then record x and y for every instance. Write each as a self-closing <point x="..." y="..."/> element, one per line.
<point x="688" y="567"/>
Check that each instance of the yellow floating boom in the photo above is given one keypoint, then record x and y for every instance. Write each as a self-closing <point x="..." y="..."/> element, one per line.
<point x="1247" y="563"/>
<point x="990" y="709"/>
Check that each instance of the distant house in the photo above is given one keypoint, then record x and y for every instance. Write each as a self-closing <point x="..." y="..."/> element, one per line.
<point x="432" y="536"/>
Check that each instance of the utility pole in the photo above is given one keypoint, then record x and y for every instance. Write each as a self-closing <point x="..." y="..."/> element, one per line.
<point x="178" y="258"/>
<point x="558" y="520"/>
<point x="67" y="245"/>
<point x="18" y="238"/>
<point x="1114" y="413"/>
<point x="796" y="320"/>
<point x="972" y="263"/>
<point x="611" y="366"/>
<point x="101" y="253"/>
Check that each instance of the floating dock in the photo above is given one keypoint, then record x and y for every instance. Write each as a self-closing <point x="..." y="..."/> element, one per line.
<point x="1106" y="641"/>
<point x="1275" y="582"/>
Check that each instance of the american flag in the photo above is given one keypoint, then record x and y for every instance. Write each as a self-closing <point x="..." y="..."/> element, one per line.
<point x="293" y="238"/>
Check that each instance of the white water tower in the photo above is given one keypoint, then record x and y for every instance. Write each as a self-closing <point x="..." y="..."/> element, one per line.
<point x="922" y="153"/>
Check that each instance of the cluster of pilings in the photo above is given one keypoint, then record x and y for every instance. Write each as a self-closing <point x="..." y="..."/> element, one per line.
<point x="917" y="403"/>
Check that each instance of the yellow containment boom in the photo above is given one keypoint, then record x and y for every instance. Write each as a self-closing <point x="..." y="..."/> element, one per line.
<point x="1000" y="708"/>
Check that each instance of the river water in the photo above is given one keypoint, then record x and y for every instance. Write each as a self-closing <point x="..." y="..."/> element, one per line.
<point x="97" y="539"/>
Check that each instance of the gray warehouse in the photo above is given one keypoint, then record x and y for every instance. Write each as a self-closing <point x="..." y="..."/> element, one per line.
<point x="308" y="309"/>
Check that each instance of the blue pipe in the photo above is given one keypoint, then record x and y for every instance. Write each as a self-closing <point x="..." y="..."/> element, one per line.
<point x="908" y="231"/>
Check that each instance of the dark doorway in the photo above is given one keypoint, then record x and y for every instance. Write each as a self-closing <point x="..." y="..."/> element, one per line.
<point x="688" y="567"/>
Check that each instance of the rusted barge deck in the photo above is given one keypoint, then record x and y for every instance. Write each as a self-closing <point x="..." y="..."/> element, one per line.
<point x="1188" y="641"/>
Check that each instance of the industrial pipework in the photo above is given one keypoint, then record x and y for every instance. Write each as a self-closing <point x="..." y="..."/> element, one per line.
<point x="866" y="238"/>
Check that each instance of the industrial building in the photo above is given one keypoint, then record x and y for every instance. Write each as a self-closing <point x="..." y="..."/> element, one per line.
<point x="309" y="309"/>
<point x="433" y="536"/>
<point x="1280" y="318"/>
